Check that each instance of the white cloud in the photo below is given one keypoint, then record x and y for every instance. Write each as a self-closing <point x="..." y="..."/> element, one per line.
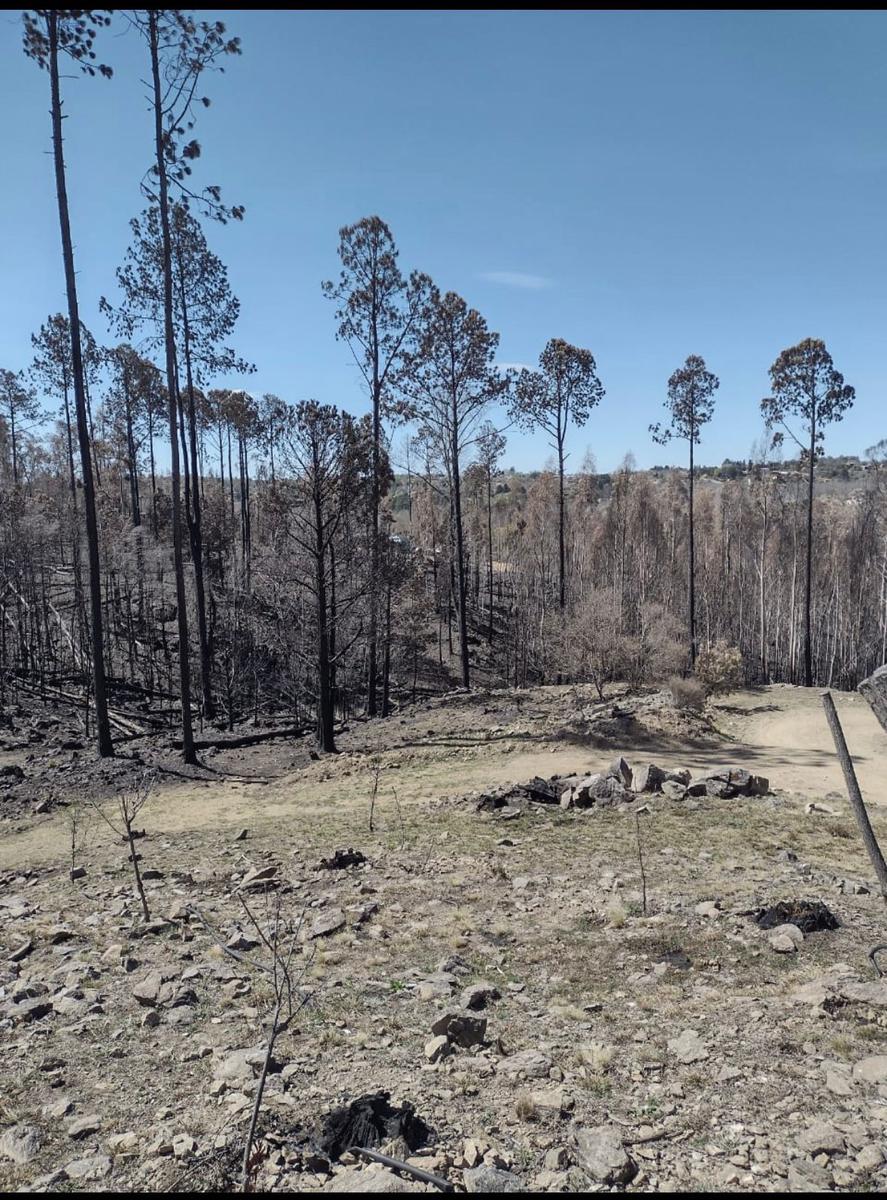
<point x="518" y="279"/>
<point x="513" y="366"/>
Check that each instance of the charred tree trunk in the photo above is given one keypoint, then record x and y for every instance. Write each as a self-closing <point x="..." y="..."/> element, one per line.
<point x="561" y="536"/>
<point x="188" y="751"/>
<point x="195" y="519"/>
<point x="333" y="630"/>
<point x="373" y="639"/>
<point x="153" y="472"/>
<point x="490" y="552"/>
<point x="460" y="552"/>
<point x="325" y="715"/>
<point x="12" y="438"/>
<point x="808" y="647"/>
<point x="692" y="568"/>
<point x="386" y="658"/>
<point x="103" y="727"/>
<point x="131" y="462"/>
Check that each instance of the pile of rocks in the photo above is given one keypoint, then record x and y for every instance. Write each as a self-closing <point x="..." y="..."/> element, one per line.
<point x="621" y="783"/>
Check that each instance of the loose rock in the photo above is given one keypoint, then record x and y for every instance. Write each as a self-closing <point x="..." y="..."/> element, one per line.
<point x="531" y="1063"/>
<point x="688" y="1047"/>
<point x="601" y="1154"/>
<point x="327" y="923"/>
<point x="491" y="1179"/>
<point x="20" y="1144"/>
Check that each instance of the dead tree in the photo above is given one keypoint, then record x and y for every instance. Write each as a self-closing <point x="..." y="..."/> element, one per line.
<point x="76" y="822"/>
<point x="328" y="453"/>
<point x="856" y="801"/>
<point x="128" y="807"/>
<point x="49" y="34"/>
<point x="281" y="941"/>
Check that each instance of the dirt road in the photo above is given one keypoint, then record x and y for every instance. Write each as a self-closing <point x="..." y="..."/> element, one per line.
<point x="785" y="727"/>
<point x="779" y="732"/>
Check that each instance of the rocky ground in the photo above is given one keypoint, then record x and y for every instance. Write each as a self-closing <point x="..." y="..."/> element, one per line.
<point x="569" y="988"/>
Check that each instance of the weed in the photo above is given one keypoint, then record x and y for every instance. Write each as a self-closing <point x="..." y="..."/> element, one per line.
<point x="464" y="1084"/>
<point x="598" y="1085"/>
<point x="597" y="1056"/>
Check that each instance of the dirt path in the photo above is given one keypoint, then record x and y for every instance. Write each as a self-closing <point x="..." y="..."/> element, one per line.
<point x="778" y="732"/>
<point x="785" y="731"/>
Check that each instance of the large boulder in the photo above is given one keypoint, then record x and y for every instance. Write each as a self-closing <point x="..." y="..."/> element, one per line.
<point x="673" y="789"/>
<point x="648" y="778"/>
<point x="619" y="769"/>
<point x="596" y="791"/>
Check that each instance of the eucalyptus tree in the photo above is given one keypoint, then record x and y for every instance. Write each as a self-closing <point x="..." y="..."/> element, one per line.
<point x="805" y="385"/>
<point x="690" y="404"/>
<point x="448" y="380"/>
<point x="17" y="403"/>
<point x="376" y="308"/>
<point x="180" y="50"/>
<point x="328" y="454"/>
<point x="565" y="389"/>
<point x="49" y="35"/>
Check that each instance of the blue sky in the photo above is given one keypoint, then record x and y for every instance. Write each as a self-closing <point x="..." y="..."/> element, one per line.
<point x="647" y="185"/>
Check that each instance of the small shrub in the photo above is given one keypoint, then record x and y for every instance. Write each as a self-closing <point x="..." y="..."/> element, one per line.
<point x="616" y="912"/>
<point x="687" y="693"/>
<point x="464" y="1083"/>
<point x="720" y="668"/>
<point x="525" y="1107"/>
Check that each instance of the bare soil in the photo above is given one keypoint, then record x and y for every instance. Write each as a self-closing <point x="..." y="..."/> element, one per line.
<point x="678" y="1027"/>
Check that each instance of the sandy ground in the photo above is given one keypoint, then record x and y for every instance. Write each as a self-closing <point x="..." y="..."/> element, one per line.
<point x="777" y="731"/>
